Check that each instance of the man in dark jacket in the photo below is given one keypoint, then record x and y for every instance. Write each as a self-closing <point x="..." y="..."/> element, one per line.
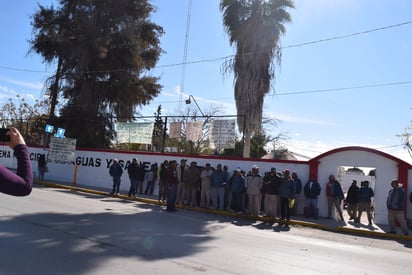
<point x="141" y="172"/>
<point x="365" y="195"/>
<point x="132" y="171"/>
<point x="352" y="200"/>
<point x="172" y="182"/>
<point x="272" y="182"/>
<point x="396" y="207"/>
<point x="115" y="172"/>
<point x="311" y="190"/>
<point x="287" y="192"/>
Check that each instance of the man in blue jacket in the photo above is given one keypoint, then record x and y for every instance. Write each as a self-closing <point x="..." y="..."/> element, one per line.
<point x="219" y="180"/>
<point x="365" y="195"/>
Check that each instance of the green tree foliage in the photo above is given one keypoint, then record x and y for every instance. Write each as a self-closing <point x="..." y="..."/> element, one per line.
<point x="158" y="130"/>
<point x="254" y="28"/>
<point x="104" y="51"/>
<point x="258" y="143"/>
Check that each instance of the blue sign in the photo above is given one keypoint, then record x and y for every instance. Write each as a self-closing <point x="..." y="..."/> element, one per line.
<point x="49" y="128"/>
<point x="59" y="133"/>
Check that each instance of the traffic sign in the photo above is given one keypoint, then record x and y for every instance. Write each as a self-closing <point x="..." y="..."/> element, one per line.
<point x="49" y="128"/>
<point x="60" y="133"/>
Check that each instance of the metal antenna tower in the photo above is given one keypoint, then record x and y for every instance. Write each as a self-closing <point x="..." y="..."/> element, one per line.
<point x="182" y="80"/>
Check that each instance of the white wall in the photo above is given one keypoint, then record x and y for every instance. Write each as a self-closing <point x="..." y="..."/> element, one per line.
<point x="93" y="166"/>
<point x="386" y="170"/>
<point x="93" y="169"/>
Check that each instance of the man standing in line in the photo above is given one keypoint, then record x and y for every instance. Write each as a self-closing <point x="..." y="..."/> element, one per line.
<point x="311" y="190"/>
<point x="396" y="207"/>
<point x="287" y="193"/>
<point x="237" y="188"/>
<point x="132" y="171"/>
<point x="272" y="196"/>
<point x="253" y="184"/>
<point x="365" y="195"/>
<point x="298" y="196"/>
<point x="181" y="188"/>
<point x="192" y="177"/>
<point x="219" y="180"/>
<point x="329" y="195"/>
<point x="115" y="172"/>
<point x="338" y="196"/>
<point x="163" y="180"/>
<point x="205" y="177"/>
<point x="141" y="171"/>
<point x="172" y="182"/>
<point x="352" y="201"/>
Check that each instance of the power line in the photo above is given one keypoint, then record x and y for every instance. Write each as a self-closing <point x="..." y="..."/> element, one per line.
<point x="297" y="45"/>
<point x="348" y="35"/>
<point x="321" y="90"/>
<point x="347" y="88"/>
<point x="21" y="70"/>
<point x="232" y="56"/>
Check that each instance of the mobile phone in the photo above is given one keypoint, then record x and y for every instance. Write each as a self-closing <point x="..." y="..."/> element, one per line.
<point x="3" y="136"/>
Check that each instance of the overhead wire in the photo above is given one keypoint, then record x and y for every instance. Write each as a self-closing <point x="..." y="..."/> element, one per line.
<point x="232" y="56"/>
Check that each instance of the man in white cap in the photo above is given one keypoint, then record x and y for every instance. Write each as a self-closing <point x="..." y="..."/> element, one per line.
<point x="253" y="184"/>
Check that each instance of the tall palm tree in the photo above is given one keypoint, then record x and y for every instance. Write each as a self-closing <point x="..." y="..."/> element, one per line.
<point x="254" y="27"/>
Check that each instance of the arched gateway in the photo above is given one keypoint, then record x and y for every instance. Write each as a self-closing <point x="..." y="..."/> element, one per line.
<point x="387" y="168"/>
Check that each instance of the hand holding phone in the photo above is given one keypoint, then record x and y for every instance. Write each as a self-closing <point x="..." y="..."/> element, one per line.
<point x="13" y="135"/>
<point x="4" y="137"/>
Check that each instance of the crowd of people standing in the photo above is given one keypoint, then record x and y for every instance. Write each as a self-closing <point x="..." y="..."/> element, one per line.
<point x="277" y="194"/>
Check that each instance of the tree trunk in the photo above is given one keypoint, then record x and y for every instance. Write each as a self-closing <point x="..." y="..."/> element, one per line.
<point x="246" y="144"/>
<point x="54" y="92"/>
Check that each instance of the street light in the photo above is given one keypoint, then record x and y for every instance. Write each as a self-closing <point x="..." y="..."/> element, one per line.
<point x="188" y="101"/>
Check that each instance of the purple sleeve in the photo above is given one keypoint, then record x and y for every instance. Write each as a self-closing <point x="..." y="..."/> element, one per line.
<point x="21" y="183"/>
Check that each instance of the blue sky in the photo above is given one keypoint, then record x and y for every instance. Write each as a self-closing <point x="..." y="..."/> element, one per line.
<point x="313" y="111"/>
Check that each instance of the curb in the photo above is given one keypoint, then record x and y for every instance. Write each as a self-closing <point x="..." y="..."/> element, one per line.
<point x="339" y="229"/>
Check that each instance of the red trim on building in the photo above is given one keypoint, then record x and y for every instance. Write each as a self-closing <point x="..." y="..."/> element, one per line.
<point x="403" y="166"/>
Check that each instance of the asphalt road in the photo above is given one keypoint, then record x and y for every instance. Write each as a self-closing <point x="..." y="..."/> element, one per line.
<point x="55" y="231"/>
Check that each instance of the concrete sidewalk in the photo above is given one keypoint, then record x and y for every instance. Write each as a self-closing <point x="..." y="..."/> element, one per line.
<point x="347" y="227"/>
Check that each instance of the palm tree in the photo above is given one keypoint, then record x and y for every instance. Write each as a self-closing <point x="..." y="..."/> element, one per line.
<point x="254" y="27"/>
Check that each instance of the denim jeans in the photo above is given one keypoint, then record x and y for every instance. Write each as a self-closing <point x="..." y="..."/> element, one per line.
<point x="171" y="197"/>
<point x="116" y="185"/>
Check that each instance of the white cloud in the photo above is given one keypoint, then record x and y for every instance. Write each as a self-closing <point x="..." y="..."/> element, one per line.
<point x="30" y="85"/>
<point x="6" y="93"/>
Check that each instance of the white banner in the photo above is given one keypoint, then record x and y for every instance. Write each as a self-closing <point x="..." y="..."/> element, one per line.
<point x="62" y="150"/>
<point x="223" y="134"/>
<point x="175" y="130"/>
<point x="194" y="130"/>
<point x="133" y="132"/>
